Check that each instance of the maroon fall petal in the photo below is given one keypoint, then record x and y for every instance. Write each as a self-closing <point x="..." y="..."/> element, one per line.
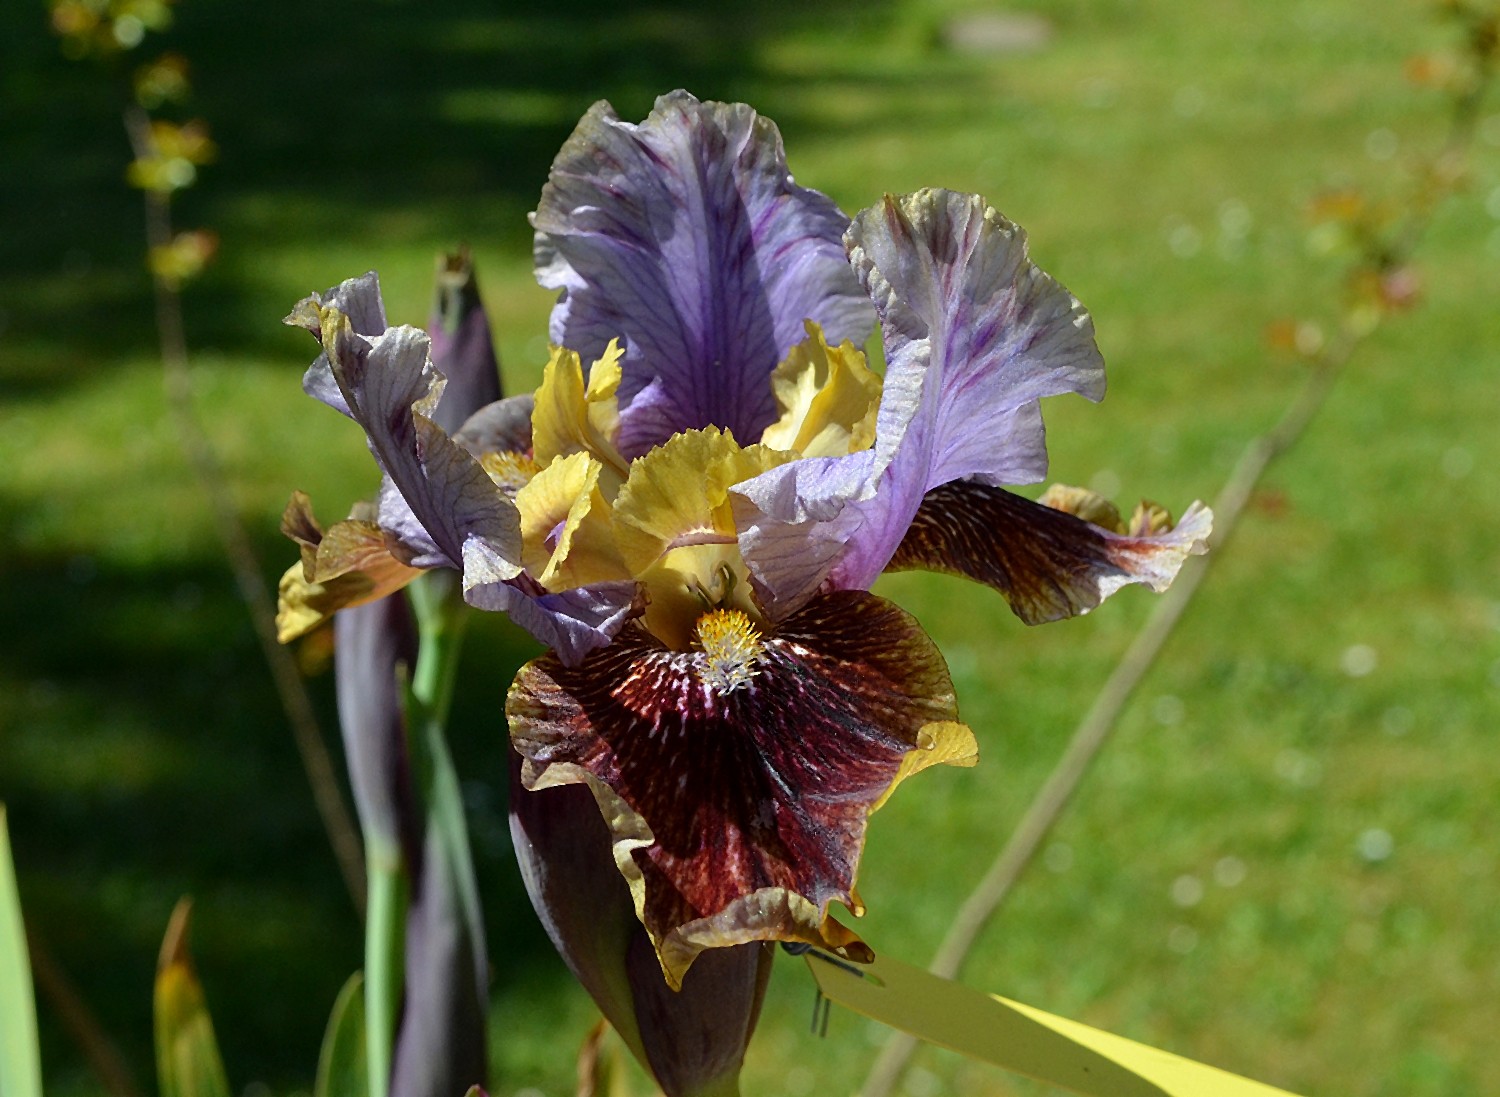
<point x="1047" y="563"/>
<point x="739" y="814"/>
<point x="688" y="1038"/>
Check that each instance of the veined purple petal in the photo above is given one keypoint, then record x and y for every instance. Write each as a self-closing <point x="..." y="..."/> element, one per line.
<point x="462" y="350"/>
<point x="359" y="299"/>
<point x="686" y="237"/>
<point x="975" y="335"/>
<point x="737" y="780"/>
<point x="389" y="386"/>
<point x="572" y="623"/>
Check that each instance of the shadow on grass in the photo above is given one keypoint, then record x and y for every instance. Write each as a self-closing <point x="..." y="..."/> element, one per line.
<point x="144" y="755"/>
<point x="145" y="758"/>
<point x="336" y="124"/>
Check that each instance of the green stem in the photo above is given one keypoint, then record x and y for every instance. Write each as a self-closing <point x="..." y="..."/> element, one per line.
<point x="440" y="624"/>
<point x="441" y="618"/>
<point x="385" y="953"/>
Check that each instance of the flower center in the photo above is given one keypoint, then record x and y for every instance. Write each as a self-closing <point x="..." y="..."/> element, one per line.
<point x="731" y="649"/>
<point x="511" y="471"/>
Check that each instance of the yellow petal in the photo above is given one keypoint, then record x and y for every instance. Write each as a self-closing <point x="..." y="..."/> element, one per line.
<point x="1085" y="504"/>
<point x="567" y="535"/>
<point x="943" y="743"/>
<point x="675" y="528"/>
<point x="349" y="565"/>
<point x="302" y="605"/>
<point x="573" y="418"/>
<point x="828" y="398"/>
<point x="678" y="494"/>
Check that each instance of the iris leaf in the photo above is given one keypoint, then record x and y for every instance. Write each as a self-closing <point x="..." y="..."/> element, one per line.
<point x="1020" y="1038"/>
<point x="20" y="1061"/>
<point x="343" y="1070"/>
<point x="187" y="1054"/>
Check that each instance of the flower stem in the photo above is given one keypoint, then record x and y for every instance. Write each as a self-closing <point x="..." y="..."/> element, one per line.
<point x="385" y="954"/>
<point x="441" y="620"/>
<point x="248" y="577"/>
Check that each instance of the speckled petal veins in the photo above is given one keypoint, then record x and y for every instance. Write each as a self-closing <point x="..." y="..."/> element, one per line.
<point x="740" y="815"/>
<point x="686" y="237"/>
<point x="1048" y="564"/>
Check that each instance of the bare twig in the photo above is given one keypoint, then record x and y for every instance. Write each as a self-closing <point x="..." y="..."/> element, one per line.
<point x="1091" y="733"/>
<point x="337" y="822"/>
<point x="103" y="1056"/>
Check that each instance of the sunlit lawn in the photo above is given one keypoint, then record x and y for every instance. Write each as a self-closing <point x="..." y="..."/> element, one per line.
<point x="1284" y="863"/>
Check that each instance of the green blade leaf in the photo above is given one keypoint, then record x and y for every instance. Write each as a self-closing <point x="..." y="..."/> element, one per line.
<point x="187" y="1055"/>
<point x="20" y="1061"/>
<point x="343" y="1067"/>
<point x="1020" y="1038"/>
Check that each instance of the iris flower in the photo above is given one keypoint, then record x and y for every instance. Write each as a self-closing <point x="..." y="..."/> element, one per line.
<point x="691" y="510"/>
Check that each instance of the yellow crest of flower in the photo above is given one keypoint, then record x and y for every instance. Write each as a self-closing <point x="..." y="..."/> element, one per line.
<point x="574" y="417"/>
<point x="828" y="398"/>
<point x="675" y="530"/>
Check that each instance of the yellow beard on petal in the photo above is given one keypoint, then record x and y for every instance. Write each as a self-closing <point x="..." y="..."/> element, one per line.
<point x="510" y="470"/>
<point x="675" y="530"/>
<point x="731" y="648"/>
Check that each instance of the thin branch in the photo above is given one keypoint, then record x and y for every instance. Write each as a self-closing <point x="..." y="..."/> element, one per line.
<point x="1096" y="726"/>
<point x="53" y="984"/>
<point x="290" y="687"/>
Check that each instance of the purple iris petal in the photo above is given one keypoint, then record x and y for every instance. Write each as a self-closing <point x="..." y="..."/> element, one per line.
<point x="359" y="299"/>
<point x="975" y="335"/>
<point x="462" y="349"/>
<point x="572" y="622"/>
<point x="389" y="386"/>
<point x="686" y="237"/>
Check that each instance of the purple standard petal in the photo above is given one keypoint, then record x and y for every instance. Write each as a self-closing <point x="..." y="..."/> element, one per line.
<point x="975" y="335"/>
<point x="462" y="350"/>
<point x="686" y="237"/>
<point x="691" y="1038"/>
<point x="389" y="386"/>
<point x="572" y="622"/>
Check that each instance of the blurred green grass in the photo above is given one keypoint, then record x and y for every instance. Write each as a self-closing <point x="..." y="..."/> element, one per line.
<point x="1218" y="889"/>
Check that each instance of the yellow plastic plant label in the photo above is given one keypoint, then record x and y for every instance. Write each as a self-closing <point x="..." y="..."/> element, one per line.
<point x="1019" y="1038"/>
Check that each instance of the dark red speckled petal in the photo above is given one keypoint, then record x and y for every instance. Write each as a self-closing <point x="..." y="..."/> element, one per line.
<point x="1047" y="563"/>
<point x="740" y="815"/>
